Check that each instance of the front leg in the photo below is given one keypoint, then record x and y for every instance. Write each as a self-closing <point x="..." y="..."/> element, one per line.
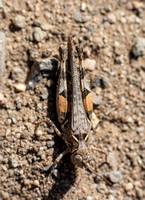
<point x="50" y="168"/>
<point x="101" y="151"/>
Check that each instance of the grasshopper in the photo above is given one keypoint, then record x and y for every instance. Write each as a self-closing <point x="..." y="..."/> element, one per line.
<point x="74" y="109"/>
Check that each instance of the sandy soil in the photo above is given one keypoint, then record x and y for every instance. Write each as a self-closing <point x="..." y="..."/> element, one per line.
<point x="108" y="29"/>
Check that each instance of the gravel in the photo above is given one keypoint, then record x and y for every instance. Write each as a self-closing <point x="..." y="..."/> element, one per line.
<point x="20" y="87"/>
<point x="1" y="5"/>
<point x="89" y="64"/>
<point x="36" y="183"/>
<point x="5" y="195"/>
<point x="108" y="44"/>
<point x="96" y="99"/>
<point x="79" y="18"/>
<point x="111" y="18"/>
<point x="38" y="34"/>
<point x="50" y="144"/>
<point x="19" y="21"/>
<point x="128" y="187"/>
<point x="2" y="53"/>
<point x="138" y="49"/>
<point x="1" y="98"/>
<point x="115" y="176"/>
<point x="104" y="82"/>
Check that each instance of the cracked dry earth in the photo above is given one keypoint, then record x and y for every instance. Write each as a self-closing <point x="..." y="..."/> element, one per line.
<point x="108" y="29"/>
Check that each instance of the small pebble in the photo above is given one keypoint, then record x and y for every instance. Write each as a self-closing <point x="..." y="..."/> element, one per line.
<point x="99" y="42"/>
<point x="90" y="29"/>
<point x="128" y="187"/>
<point x="13" y="120"/>
<point x="50" y="130"/>
<point x="79" y="18"/>
<point x="111" y="18"/>
<point x="38" y="133"/>
<point x="37" y="23"/>
<point x="140" y="129"/>
<point x="111" y="197"/>
<point x="90" y="64"/>
<point x="115" y="176"/>
<point x="108" y="8"/>
<point x="47" y="15"/>
<point x="94" y="120"/>
<point x="87" y="36"/>
<point x="1" y="144"/>
<point x="43" y="157"/>
<point x="46" y="53"/>
<point x="96" y="82"/>
<point x="46" y="27"/>
<point x="129" y="5"/>
<point x="19" y="21"/>
<point x="55" y="173"/>
<point x="36" y="183"/>
<point x="96" y="99"/>
<point x="11" y="172"/>
<point x="137" y="20"/>
<point x="30" y="5"/>
<point x="42" y="65"/>
<point x="112" y="192"/>
<point x="5" y="195"/>
<point x="46" y="168"/>
<point x="26" y="182"/>
<point x="137" y="5"/>
<point x="9" y="121"/>
<point x="104" y="19"/>
<point x="142" y="145"/>
<point x="112" y="160"/>
<point x="38" y="34"/>
<point x="104" y="82"/>
<point x="1" y="5"/>
<point x="81" y="197"/>
<point x="83" y="6"/>
<point x="127" y="198"/>
<point x="44" y="96"/>
<point x="1" y="98"/>
<point x="1" y="158"/>
<point x="139" y="193"/>
<point x="50" y="144"/>
<point x="81" y="39"/>
<point x="20" y="87"/>
<point x="90" y="197"/>
<point x="12" y="162"/>
<point x="87" y="51"/>
<point x="138" y="49"/>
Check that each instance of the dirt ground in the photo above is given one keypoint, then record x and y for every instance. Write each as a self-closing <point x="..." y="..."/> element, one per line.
<point x="108" y="29"/>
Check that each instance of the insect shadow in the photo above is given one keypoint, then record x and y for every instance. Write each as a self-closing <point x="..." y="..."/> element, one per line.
<point x="64" y="174"/>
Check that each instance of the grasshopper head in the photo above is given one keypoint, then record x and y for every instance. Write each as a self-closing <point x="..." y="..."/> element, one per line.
<point x="81" y="156"/>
